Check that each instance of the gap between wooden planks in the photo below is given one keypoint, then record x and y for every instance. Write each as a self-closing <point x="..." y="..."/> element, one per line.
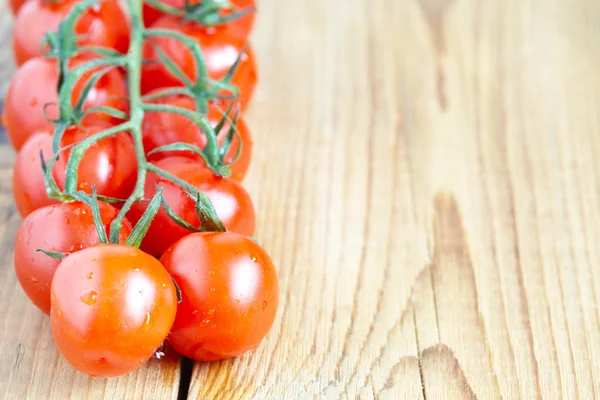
<point x="425" y="177"/>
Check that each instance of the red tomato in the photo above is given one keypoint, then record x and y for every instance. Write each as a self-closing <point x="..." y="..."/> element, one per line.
<point x="108" y="165"/>
<point x="65" y="228"/>
<point x="240" y="26"/>
<point x="229" y="295"/>
<point x="15" y="5"/>
<point x="112" y="307"/>
<point x="162" y="128"/>
<point x="34" y="84"/>
<point x="220" y="53"/>
<point x="104" y="25"/>
<point x="29" y="189"/>
<point x="230" y="200"/>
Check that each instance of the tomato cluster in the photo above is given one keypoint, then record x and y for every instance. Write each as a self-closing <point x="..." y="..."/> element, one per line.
<point x="114" y="296"/>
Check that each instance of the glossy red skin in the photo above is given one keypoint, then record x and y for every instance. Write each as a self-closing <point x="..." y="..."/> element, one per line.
<point x="229" y="295"/>
<point x="64" y="227"/>
<point x="103" y="25"/>
<point x="112" y="307"/>
<point x="15" y="5"/>
<point x="34" y="84"/>
<point x="230" y="200"/>
<point x="109" y="165"/>
<point x="220" y="53"/>
<point x="29" y="190"/>
<point x="240" y="26"/>
<point x="162" y="128"/>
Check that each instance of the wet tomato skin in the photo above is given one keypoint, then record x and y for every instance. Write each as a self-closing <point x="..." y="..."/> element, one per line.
<point x="65" y="228"/>
<point x="104" y="24"/>
<point x="232" y="203"/>
<point x="229" y="294"/>
<point x="112" y="306"/>
<point x="162" y="128"/>
<point x="34" y="85"/>
<point x="109" y="165"/>
<point x="220" y="53"/>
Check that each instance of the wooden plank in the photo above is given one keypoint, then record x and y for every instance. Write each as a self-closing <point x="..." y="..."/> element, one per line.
<point x="426" y="182"/>
<point x="425" y="178"/>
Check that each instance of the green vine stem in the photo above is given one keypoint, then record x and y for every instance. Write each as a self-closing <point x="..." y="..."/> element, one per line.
<point x="63" y="46"/>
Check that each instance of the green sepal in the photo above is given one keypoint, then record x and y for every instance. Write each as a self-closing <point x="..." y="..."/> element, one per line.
<point x="54" y="254"/>
<point x="93" y="203"/>
<point x="177" y="219"/>
<point x="141" y="228"/>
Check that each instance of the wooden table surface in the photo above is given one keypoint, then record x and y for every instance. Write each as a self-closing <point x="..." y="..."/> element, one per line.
<point x="426" y="178"/>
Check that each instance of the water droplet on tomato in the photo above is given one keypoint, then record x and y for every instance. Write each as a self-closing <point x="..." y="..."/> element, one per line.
<point x="90" y="275"/>
<point x="89" y="298"/>
<point x="137" y="270"/>
<point x="34" y="281"/>
<point x="264" y="304"/>
<point x="53" y="297"/>
<point x="211" y="272"/>
<point x="253" y="259"/>
<point x="60" y="314"/>
<point x="210" y="313"/>
<point x="195" y="312"/>
<point x="146" y="323"/>
<point x="164" y="285"/>
<point x="212" y="289"/>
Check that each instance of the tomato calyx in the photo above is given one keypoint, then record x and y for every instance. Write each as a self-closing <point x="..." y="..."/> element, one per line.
<point x="222" y="166"/>
<point x="207" y="13"/>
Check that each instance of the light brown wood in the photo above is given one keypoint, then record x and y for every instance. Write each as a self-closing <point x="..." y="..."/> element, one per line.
<point x="425" y="177"/>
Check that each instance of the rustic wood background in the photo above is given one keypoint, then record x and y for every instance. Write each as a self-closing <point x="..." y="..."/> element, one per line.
<point x="426" y="180"/>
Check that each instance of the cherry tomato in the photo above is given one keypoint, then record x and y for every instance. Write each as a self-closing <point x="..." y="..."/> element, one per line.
<point x="220" y="53"/>
<point x="229" y="294"/>
<point x="29" y="190"/>
<point x="162" y="128"/>
<point x="15" y="5"/>
<point x="112" y="307"/>
<point x="230" y="200"/>
<point x="108" y="165"/>
<point x="104" y="25"/>
<point x="239" y="26"/>
<point x="34" y="84"/>
<point x="65" y="228"/>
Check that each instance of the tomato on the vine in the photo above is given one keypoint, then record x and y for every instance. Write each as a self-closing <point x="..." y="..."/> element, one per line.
<point x="220" y="53"/>
<point x="112" y="306"/>
<point x="162" y="128"/>
<point x="29" y="190"/>
<point x="34" y="85"/>
<point x="240" y="26"/>
<point x="231" y="202"/>
<point x="109" y="164"/>
<point x="64" y="228"/>
<point x="104" y="24"/>
<point x="229" y="294"/>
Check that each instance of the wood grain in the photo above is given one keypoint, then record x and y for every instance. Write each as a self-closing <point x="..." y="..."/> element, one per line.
<point x="425" y="178"/>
